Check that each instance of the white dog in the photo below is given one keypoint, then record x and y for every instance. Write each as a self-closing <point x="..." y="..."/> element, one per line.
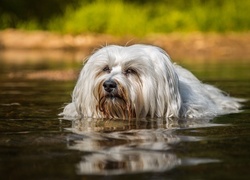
<point x="141" y="81"/>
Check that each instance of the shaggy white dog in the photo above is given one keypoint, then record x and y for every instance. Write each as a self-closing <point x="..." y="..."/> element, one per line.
<point x="141" y="81"/>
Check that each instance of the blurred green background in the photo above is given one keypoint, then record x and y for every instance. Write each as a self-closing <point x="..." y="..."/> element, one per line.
<point x="126" y="17"/>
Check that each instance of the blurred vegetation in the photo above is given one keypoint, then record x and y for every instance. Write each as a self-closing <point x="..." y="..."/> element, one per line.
<point x="126" y="17"/>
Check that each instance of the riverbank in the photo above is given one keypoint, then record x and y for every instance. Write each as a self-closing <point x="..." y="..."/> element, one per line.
<point x="180" y="46"/>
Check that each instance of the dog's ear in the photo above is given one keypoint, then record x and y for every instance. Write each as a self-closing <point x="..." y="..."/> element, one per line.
<point x="77" y="96"/>
<point x="170" y="87"/>
<point x="82" y="86"/>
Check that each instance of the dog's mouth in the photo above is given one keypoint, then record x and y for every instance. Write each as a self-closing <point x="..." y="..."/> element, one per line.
<point x="113" y="96"/>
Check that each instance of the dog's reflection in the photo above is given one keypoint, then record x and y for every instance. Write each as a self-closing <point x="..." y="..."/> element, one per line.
<point x="118" y="146"/>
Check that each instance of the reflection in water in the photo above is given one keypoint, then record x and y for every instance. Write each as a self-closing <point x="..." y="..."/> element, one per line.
<point x="118" y="146"/>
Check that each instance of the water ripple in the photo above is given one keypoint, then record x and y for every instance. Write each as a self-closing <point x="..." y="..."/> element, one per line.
<point x="119" y="147"/>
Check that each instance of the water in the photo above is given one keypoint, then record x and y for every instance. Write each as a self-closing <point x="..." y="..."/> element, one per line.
<point x="36" y="144"/>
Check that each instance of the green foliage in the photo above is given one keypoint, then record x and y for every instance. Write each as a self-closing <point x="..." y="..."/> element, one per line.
<point x="100" y="17"/>
<point x="141" y="17"/>
<point x="18" y="13"/>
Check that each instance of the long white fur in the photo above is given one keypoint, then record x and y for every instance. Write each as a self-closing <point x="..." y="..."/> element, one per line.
<point x="160" y="89"/>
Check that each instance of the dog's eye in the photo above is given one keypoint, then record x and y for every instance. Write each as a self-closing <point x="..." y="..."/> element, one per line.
<point x="106" y="69"/>
<point x="130" y="71"/>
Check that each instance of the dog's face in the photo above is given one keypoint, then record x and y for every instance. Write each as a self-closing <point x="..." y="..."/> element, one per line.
<point x="118" y="83"/>
<point x="124" y="82"/>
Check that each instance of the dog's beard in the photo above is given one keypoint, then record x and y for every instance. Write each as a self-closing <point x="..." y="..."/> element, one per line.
<point x="114" y="105"/>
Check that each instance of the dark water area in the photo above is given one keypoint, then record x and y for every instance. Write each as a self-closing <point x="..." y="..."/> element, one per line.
<point x="37" y="144"/>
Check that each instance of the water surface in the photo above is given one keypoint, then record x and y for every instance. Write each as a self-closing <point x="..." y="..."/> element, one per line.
<point x="36" y="144"/>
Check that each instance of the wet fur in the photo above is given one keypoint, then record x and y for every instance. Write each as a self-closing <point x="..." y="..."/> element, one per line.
<point x="149" y="85"/>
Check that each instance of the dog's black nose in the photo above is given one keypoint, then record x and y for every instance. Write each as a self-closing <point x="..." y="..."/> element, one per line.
<point x="109" y="85"/>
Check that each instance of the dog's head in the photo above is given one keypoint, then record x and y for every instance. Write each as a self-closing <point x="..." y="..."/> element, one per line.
<point x="126" y="82"/>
